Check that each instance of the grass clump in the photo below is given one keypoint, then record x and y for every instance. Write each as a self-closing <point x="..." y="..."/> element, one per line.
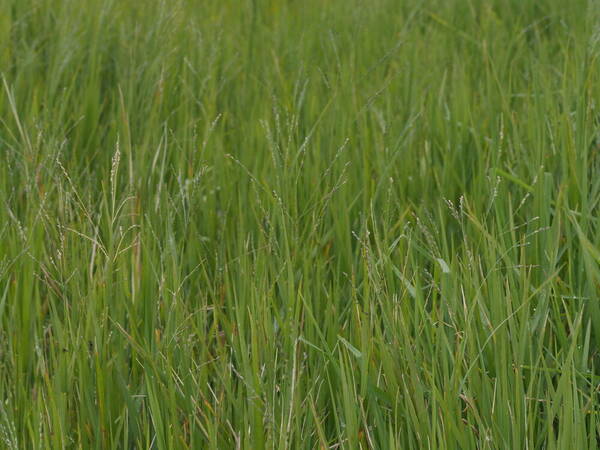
<point x="277" y="224"/>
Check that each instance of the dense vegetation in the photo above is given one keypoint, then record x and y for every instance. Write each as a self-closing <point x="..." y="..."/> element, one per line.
<point x="299" y="224"/>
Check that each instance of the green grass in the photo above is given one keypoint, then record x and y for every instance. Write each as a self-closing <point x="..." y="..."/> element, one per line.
<point x="299" y="224"/>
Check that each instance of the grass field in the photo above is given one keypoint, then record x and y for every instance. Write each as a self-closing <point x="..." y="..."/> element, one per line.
<point x="299" y="224"/>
